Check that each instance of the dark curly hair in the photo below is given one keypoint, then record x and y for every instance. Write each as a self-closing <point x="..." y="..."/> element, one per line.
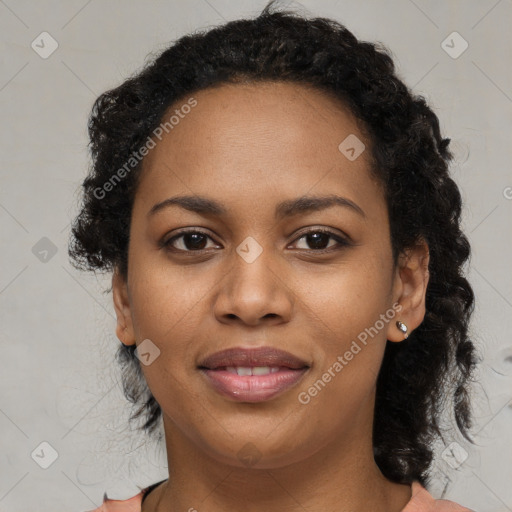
<point x="409" y="157"/>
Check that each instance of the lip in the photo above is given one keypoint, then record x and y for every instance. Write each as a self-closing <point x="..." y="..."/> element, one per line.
<point x="260" y="356"/>
<point x="252" y="388"/>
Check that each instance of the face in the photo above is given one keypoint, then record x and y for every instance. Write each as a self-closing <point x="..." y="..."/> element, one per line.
<point x="258" y="269"/>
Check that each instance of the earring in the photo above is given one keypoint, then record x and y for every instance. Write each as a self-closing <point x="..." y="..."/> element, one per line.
<point x="402" y="327"/>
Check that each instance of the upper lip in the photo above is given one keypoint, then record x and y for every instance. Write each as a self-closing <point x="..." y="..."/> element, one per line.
<point x="250" y="357"/>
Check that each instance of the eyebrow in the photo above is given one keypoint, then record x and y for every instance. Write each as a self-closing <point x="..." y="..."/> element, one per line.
<point x="206" y="206"/>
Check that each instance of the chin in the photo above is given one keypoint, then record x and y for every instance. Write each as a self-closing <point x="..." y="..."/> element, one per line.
<point x="263" y="451"/>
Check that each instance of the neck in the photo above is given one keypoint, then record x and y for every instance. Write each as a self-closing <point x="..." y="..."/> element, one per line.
<point x="342" y="476"/>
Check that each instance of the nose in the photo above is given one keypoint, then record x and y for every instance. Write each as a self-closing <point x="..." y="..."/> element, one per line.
<point x="254" y="292"/>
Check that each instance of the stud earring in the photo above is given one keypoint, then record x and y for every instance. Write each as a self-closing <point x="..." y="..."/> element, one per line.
<point x="402" y="327"/>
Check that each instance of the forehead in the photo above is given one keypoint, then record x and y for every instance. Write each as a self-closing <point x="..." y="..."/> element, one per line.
<point x="270" y="138"/>
<point x="245" y="118"/>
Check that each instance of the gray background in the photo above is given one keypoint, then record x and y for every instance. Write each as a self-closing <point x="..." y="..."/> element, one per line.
<point x="59" y="383"/>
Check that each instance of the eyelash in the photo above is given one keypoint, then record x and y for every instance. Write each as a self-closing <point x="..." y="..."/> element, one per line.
<point x="342" y="242"/>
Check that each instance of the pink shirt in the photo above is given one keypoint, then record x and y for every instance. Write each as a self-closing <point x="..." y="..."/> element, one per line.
<point x="421" y="501"/>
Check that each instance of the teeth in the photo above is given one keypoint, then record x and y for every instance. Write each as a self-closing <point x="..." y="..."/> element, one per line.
<point x="261" y="370"/>
<point x="256" y="370"/>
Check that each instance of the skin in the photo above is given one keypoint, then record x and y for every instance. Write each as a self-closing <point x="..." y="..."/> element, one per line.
<point x="250" y="147"/>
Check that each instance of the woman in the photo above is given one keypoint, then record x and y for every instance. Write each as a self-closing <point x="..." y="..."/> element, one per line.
<point x="277" y="212"/>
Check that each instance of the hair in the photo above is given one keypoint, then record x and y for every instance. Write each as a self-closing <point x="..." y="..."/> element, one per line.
<point x="408" y="155"/>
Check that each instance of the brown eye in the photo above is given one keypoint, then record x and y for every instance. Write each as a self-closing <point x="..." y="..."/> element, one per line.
<point x="188" y="241"/>
<point x="318" y="240"/>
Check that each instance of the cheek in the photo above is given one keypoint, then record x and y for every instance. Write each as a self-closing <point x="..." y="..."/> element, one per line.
<point x="349" y="308"/>
<point x="166" y="310"/>
<point x="350" y="296"/>
<point x="166" y="299"/>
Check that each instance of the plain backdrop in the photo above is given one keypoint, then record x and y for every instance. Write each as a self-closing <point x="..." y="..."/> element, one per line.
<point x="61" y="404"/>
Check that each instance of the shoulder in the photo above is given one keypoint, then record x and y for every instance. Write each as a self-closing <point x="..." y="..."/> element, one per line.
<point x="133" y="504"/>
<point x="422" y="501"/>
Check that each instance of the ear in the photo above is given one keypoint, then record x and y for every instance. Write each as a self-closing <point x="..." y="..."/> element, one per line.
<point x="409" y="289"/>
<point x="124" y="328"/>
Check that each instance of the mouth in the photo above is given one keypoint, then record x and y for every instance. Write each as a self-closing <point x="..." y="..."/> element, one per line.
<point x="252" y="375"/>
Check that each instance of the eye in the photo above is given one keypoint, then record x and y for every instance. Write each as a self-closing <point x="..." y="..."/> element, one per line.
<point x="318" y="238"/>
<point x="196" y="241"/>
<point x="191" y="241"/>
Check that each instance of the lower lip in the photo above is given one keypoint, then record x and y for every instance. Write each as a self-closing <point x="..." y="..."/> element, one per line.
<point x="253" y="388"/>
